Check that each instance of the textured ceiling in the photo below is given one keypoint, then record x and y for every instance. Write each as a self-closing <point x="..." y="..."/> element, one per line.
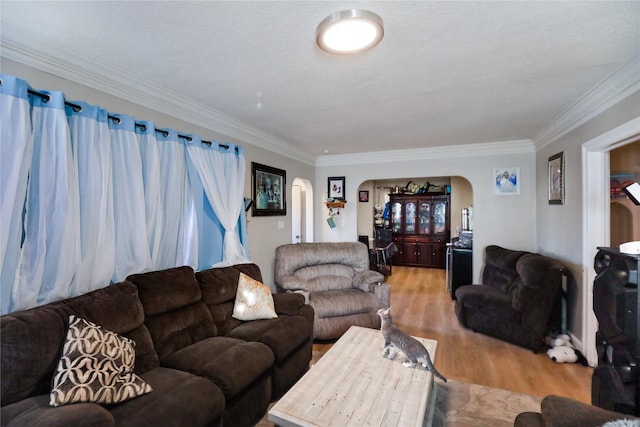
<point x="446" y="73"/>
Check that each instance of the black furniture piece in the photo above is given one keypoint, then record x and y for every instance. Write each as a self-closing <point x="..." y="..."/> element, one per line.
<point x="615" y="383"/>
<point x="383" y="250"/>
<point x="517" y="300"/>
<point x="459" y="268"/>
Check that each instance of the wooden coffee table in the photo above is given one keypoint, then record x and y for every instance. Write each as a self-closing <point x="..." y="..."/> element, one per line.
<point x="353" y="385"/>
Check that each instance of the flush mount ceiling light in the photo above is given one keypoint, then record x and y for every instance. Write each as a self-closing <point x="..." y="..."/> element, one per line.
<point x="349" y="31"/>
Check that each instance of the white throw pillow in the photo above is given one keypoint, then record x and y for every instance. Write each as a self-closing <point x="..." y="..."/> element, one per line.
<point x="96" y="366"/>
<point x="253" y="300"/>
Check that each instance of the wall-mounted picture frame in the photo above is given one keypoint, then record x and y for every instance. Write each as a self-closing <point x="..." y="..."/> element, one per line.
<point x="335" y="187"/>
<point x="556" y="179"/>
<point x="363" y="196"/>
<point x="268" y="186"/>
<point x="506" y="181"/>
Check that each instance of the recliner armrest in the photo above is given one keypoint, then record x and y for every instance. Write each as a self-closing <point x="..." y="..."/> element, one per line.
<point x="366" y="280"/>
<point x="288" y="303"/>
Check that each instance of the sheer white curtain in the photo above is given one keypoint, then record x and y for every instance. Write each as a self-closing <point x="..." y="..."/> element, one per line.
<point x="16" y="148"/>
<point x="90" y="197"/>
<point x="91" y="145"/>
<point x="51" y="250"/>
<point x="177" y="204"/>
<point x="132" y="242"/>
<point x="222" y="170"/>
<point x="149" y="150"/>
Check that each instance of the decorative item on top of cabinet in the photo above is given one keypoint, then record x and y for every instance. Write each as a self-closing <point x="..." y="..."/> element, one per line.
<point x="420" y="227"/>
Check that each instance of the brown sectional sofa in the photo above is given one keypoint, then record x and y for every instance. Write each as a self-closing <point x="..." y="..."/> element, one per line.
<point x="206" y="368"/>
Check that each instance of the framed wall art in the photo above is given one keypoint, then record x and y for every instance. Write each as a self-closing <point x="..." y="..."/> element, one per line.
<point x="363" y="195"/>
<point x="506" y="181"/>
<point x="269" y="190"/>
<point x="335" y="188"/>
<point x="556" y="179"/>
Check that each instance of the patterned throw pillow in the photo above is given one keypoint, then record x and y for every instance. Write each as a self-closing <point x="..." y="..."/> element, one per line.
<point x="253" y="300"/>
<point x="96" y="366"/>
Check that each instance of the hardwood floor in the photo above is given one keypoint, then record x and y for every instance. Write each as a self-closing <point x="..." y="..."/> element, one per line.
<point x="422" y="307"/>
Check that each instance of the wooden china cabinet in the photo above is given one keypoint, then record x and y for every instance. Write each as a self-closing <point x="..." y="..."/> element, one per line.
<point x="420" y="228"/>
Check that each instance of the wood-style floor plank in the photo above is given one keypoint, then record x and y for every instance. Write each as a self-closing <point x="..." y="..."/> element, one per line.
<point x="422" y="307"/>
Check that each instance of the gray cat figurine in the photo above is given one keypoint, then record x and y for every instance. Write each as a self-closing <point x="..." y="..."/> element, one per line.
<point x="411" y="347"/>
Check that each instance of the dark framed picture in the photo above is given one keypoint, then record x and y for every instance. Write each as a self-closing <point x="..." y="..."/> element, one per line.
<point x="363" y="195"/>
<point x="336" y="187"/>
<point x="556" y="179"/>
<point x="268" y="186"/>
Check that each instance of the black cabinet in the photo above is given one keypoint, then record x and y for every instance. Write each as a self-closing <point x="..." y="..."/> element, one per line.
<point x="459" y="268"/>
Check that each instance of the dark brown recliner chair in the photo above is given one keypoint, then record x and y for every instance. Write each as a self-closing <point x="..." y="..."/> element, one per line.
<point x="519" y="294"/>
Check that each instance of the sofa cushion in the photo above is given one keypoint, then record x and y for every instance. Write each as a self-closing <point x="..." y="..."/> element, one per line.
<point x="283" y="335"/>
<point x="176" y="316"/>
<point x="219" y="287"/>
<point x="178" y="399"/>
<point x="96" y="366"/>
<point x="325" y="277"/>
<point x="27" y="365"/>
<point x="253" y="300"/>
<point x="343" y="302"/>
<point x="36" y="411"/>
<point x="231" y="364"/>
<point x="166" y="290"/>
<point x="500" y="267"/>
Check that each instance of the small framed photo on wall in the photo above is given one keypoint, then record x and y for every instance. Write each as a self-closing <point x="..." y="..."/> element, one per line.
<point x="506" y="181"/>
<point x="335" y="188"/>
<point x="363" y="195"/>
<point x="556" y="179"/>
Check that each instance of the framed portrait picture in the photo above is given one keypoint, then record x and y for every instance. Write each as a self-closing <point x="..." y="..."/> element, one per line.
<point x="363" y="195"/>
<point x="269" y="190"/>
<point x="506" y="181"/>
<point x="335" y="188"/>
<point x="556" y="179"/>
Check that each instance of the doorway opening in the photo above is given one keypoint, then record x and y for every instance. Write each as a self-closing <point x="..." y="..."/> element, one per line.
<point x="301" y="211"/>
<point x="596" y="174"/>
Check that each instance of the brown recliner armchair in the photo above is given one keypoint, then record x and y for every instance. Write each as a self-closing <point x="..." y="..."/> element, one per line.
<point x="517" y="300"/>
<point x="336" y="281"/>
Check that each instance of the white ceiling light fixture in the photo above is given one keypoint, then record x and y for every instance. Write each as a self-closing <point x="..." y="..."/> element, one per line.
<point x="349" y="31"/>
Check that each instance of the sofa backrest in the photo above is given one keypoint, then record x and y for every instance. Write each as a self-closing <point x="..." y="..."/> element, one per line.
<point x="539" y="285"/>
<point x="219" y="286"/>
<point x="32" y="340"/>
<point x="174" y="311"/>
<point x="499" y="269"/>
<point x="320" y="266"/>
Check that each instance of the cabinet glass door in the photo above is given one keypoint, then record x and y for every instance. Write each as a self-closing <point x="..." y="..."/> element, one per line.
<point x="440" y="217"/>
<point x="396" y="217"/>
<point x="424" y="218"/>
<point x="410" y="217"/>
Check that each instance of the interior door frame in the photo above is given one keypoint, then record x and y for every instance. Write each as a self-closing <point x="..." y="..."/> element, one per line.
<point x="596" y="216"/>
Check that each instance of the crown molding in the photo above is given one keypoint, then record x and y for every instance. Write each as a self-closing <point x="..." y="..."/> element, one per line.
<point x="603" y="96"/>
<point x="519" y="146"/>
<point x="127" y="86"/>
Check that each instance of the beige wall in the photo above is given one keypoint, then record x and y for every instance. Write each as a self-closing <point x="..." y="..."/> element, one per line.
<point x="560" y="228"/>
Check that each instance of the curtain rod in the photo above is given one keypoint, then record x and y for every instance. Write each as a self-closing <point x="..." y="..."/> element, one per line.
<point x="116" y="119"/>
